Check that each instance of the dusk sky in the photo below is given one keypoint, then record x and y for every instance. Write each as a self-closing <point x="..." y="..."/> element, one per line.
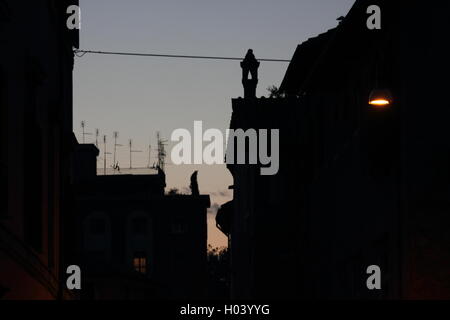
<point x="138" y="96"/>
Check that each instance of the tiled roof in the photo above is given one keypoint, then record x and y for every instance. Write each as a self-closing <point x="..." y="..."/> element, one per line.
<point x="326" y="57"/>
<point x="303" y="61"/>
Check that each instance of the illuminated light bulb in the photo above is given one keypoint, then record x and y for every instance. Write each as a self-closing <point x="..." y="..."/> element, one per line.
<point x="380" y="98"/>
<point x="379" y="102"/>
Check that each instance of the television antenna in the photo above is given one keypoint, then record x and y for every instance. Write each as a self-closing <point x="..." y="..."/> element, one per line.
<point x="130" y="143"/>
<point x="83" y="133"/>
<point x="104" y="155"/>
<point x="149" y="156"/>
<point x="115" y="164"/>
<point x="97" y="134"/>
<point x="161" y="151"/>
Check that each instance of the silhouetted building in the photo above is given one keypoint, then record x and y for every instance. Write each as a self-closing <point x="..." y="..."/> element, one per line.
<point x="132" y="240"/>
<point x="36" y="63"/>
<point x="358" y="184"/>
<point x="224" y="218"/>
<point x="261" y="221"/>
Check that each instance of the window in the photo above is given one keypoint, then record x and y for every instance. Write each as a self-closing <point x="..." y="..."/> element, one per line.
<point x="139" y="226"/>
<point x="98" y="226"/>
<point x="140" y="262"/>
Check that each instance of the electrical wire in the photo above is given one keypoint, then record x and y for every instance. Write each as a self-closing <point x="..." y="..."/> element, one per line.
<point x="80" y="53"/>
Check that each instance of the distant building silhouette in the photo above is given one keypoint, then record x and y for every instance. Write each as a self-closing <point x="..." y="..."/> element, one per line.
<point x="358" y="185"/>
<point x="36" y="137"/>
<point x="132" y="240"/>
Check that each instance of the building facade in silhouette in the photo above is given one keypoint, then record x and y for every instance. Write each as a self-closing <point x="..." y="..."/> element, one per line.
<point x="36" y="66"/>
<point x="134" y="241"/>
<point x="358" y="184"/>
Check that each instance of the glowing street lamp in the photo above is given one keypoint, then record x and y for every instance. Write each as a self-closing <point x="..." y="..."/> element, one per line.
<point x="380" y="98"/>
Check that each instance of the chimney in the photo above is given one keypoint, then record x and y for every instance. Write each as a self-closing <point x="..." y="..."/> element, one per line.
<point x="85" y="162"/>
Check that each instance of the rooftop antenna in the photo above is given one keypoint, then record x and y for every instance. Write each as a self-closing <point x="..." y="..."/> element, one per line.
<point x="104" y="155"/>
<point x="149" y="155"/>
<point x="161" y="152"/>
<point x="97" y="134"/>
<point x="132" y="151"/>
<point x="83" y="125"/>
<point x="116" y="135"/>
